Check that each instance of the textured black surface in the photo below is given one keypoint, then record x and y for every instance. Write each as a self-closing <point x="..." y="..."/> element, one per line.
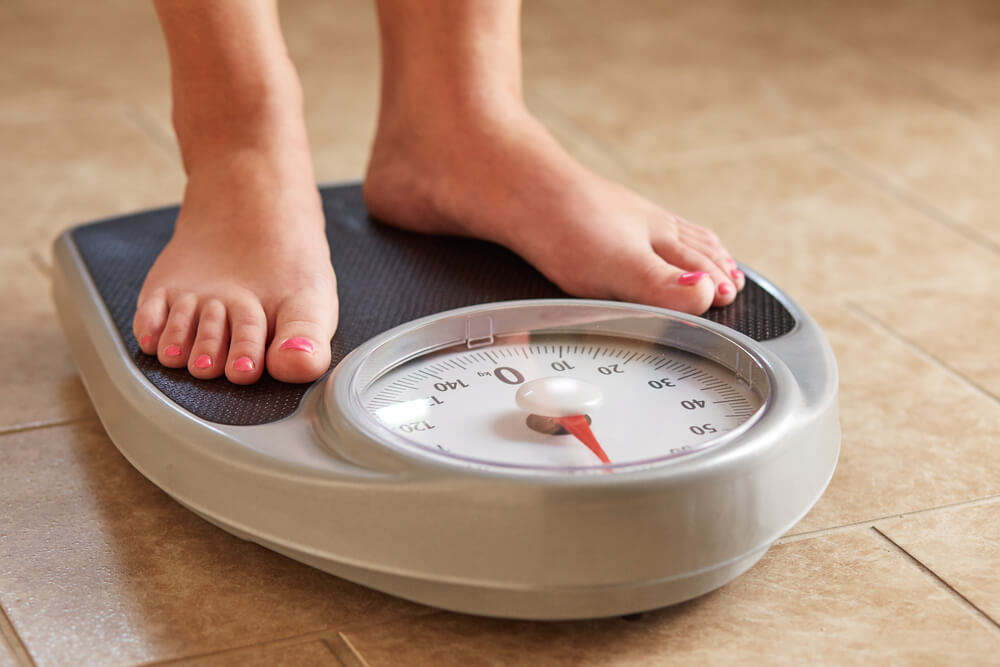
<point x="385" y="277"/>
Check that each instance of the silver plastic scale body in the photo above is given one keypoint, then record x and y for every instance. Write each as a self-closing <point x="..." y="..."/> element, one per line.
<point x="544" y="459"/>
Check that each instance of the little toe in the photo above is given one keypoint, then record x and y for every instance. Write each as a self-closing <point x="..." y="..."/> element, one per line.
<point x="707" y="243"/>
<point x="208" y="354"/>
<point x="686" y="257"/>
<point x="150" y="318"/>
<point x="726" y="264"/>
<point x="304" y="325"/>
<point x="248" y="326"/>
<point x="739" y="278"/>
<point x="174" y="345"/>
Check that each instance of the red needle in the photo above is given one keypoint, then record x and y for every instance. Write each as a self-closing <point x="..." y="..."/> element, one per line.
<point x="578" y="426"/>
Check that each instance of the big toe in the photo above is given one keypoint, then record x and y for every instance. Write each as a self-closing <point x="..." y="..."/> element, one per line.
<point x="304" y="325"/>
<point x="654" y="282"/>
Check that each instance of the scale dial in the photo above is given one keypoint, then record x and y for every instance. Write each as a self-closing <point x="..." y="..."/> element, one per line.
<point x="504" y="404"/>
<point x="610" y="391"/>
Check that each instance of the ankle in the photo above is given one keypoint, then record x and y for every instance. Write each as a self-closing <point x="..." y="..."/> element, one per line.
<point x="265" y="116"/>
<point x="250" y="193"/>
<point x="419" y="172"/>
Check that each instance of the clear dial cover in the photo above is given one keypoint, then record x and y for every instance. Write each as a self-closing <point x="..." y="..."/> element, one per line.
<point x="567" y="401"/>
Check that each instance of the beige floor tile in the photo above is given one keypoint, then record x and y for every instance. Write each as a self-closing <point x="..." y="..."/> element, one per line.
<point x="61" y="166"/>
<point x="946" y="162"/>
<point x="652" y="80"/>
<point x="956" y="322"/>
<point x="340" y="116"/>
<point x="297" y="655"/>
<point x="638" y="104"/>
<point x="844" y="599"/>
<point x="40" y="384"/>
<point x="711" y="108"/>
<point x="959" y="544"/>
<point x="74" y="54"/>
<point x="914" y="435"/>
<point x="335" y="47"/>
<point x="815" y="229"/>
<point x="98" y="566"/>
<point x="989" y="119"/>
<point x="952" y="46"/>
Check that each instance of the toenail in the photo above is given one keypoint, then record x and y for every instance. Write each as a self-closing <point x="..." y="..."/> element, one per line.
<point x="731" y="261"/>
<point x="736" y="274"/>
<point x="243" y="364"/>
<point x="301" y="344"/>
<point x="145" y="340"/>
<point x="725" y="288"/>
<point x="691" y="278"/>
<point x="172" y="351"/>
<point x="204" y="361"/>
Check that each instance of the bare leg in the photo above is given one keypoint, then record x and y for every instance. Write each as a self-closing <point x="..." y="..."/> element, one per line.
<point x="458" y="152"/>
<point x="246" y="279"/>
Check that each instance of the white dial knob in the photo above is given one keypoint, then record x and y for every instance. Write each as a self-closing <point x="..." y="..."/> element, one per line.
<point x="558" y="397"/>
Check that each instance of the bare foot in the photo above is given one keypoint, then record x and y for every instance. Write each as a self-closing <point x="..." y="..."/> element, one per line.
<point x="246" y="279"/>
<point x="502" y="177"/>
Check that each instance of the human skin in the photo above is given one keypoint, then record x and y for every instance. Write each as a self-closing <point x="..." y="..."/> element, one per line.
<point x="245" y="283"/>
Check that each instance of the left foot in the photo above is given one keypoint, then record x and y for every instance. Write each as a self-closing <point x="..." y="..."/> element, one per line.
<point x="502" y="177"/>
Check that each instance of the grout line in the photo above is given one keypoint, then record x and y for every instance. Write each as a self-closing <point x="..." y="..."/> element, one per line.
<point x="354" y="651"/>
<point x="37" y="426"/>
<point x="338" y="656"/>
<point x="281" y="642"/>
<point x="862" y="170"/>
<point x="10" y="637"/>
<point x="874" y="322"/>
<point x="823" y="532"/>
<point x="969" y="605"/>
<point x="359" y="625"/>
<point x="323" y="635"/>
<point x="35" y="256"/>
<point x="300" y="640"/>
<point x="797" y="537"/>
<point x="329" y="649"/>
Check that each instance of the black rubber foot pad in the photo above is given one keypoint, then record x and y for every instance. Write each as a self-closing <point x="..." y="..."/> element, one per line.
<point x="385" y="277"/>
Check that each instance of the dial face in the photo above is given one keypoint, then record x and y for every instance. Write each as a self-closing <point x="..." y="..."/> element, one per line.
<point x="560" y="402"/>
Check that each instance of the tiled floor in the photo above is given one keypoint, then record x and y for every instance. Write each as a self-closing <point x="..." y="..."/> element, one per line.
<point x="848" y="150"/>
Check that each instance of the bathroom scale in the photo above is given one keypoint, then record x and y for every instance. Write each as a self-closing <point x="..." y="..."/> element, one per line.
<point x="482" y="443"/>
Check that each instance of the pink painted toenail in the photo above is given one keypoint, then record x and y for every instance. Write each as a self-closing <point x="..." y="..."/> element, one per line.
<point x="173" y="351"/>
<point x="731" y="261"/>
<point x="145" y="340"/>
<point x="243" y="364"/>
<point x="691" y="278"/>
<point x="736" y="274"/>
<point x="725" y="288"/>
<point x="204" y="361"/>
<point x="301" y="344"/>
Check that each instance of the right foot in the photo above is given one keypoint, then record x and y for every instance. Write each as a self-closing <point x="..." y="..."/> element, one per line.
<point x="502" y="177"/>
<point x="458" y="152"/>
<point x="246" y="282"/>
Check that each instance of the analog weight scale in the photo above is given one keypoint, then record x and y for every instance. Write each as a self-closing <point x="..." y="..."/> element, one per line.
<point x="484" y="444"/>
